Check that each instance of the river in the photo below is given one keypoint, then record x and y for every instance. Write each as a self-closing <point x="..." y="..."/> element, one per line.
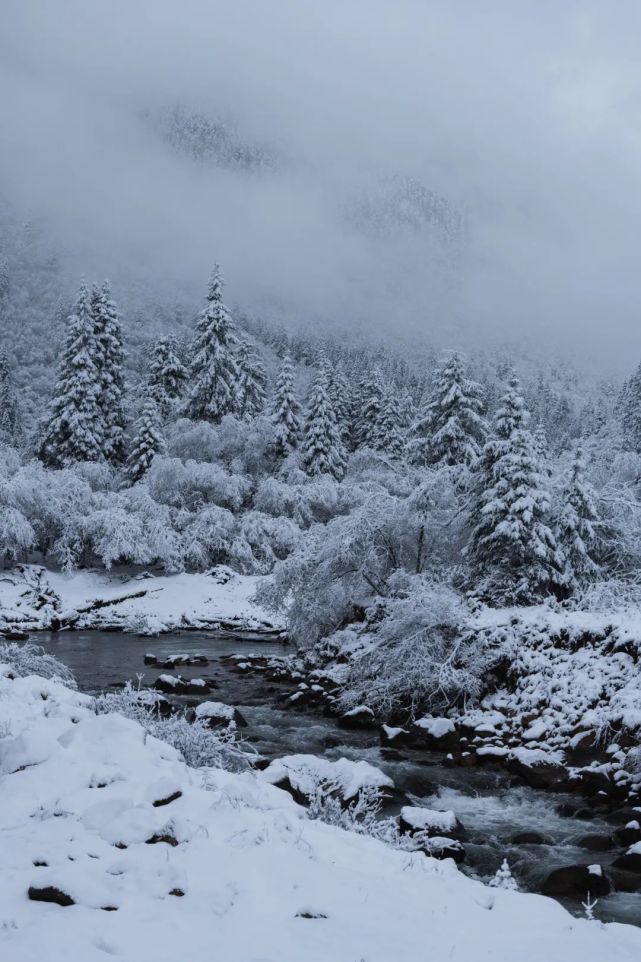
<point x="490" y="807"/>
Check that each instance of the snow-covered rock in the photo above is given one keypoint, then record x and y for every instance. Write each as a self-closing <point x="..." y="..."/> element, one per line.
<point x="430" y="821"/>
<point x="359" y="717"/>
<point x="437" y="734"/>
<point x="304" y="773"/>
<point x="217" y="713"/>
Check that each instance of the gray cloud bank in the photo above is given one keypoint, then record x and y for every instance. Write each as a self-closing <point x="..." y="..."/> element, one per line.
<point x="521" y="119"/>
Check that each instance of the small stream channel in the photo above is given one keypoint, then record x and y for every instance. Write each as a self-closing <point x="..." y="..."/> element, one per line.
<point x="491" y="809"/>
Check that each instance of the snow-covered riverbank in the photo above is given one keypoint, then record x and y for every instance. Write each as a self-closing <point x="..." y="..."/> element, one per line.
<point x="34" y="598"/>
<point x="236" y="871"/>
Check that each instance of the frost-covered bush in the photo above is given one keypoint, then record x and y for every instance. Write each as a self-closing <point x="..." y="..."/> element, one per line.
<point x="193" y="484"/>
<point x="200" y="746"/>
<point x="99" y="475"/>
<point x="52" y="502"/>
<point x="16" y="534"/>
<point x="244" y="447"/>
<point x="31" y="659"/>
<point x="207" y="537"/>
<point x="193" y="440"/>
<point x="362" y="816"/>
<point x="305" y="500"/>
<point x="421" y="658"/>
<point x="348" y="564"/>
<point x="126" y="527"/>
<point x="261" y="541"/>
<point x="278" y="498"/>
<point x="9" y="460"/>
<point x="610" y="595"/>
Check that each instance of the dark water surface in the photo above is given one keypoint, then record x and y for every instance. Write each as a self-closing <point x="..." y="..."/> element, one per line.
<point x="490" y="808"/>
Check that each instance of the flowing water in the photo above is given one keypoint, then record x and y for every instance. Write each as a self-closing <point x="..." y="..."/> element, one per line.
<point x="490" y="807"/>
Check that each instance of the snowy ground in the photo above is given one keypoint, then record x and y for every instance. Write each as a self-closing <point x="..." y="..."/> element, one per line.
<point x="32" y="598"/>
<point x="79" y="798"/>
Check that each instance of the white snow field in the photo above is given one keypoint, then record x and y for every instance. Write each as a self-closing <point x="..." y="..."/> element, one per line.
<point x="155" y="604"/>
<point x="253" y="879"/>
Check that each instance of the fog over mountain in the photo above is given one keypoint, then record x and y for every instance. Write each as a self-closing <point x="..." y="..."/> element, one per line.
<point x="467" y="172"/>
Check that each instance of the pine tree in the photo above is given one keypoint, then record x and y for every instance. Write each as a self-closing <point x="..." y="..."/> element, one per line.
<point x="388" y="435"/>
<point x="213" y="373"/>
<point x="407" y="412"/>
<point x="147" y="443"/>
<point x="629" y="408"/>
<point x="372" y="394"/>
<point x="8" y="403"/>
<point x="166" y="376"/>
<point x="340" y="396"/>
<point x="541" y="442"/>
<point x="512" y="546"/>
<point x="322" y="447"/>
<point x="109" y="361"/>
<point x="542" y="449"/>
<point x="451" y="427"/>
<point x="577" y="527"/>
<point x="73" y="425"/>
<point x="285" y="410"/>
<point x="251" y="382"/>
<point x="504" y="878"/>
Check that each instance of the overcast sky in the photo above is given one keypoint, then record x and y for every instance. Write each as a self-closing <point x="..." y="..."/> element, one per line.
<point x="524" y="115"/>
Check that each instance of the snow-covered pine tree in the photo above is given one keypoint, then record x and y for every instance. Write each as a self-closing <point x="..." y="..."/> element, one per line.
<point x="388" y="435"/>
<point x="541" y="441"/>
<point x="213" y="372"/>
<point x="451" y="427"/>
<point x="407" y="412"/>
<point x="167" y="375"/>
<point x="341" y="397"/>
<point x="577" y="527"/>
<point x="629" y="407"/>
<point x="372" y="396"/>
<point x="72" y="429"/>
<point x="512" y="547"/>
<point x="286" y="410"/>
<point x="504" y="878"/>
<point x="8" y="403"/>
<point x="148" y="441"/>
<point x="251" y="382"/>
<point x="322" y="447"/>
<point x="542" y="448"/>
<point x="109" y="359"/>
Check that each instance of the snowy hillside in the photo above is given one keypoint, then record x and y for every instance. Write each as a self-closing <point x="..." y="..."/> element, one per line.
<point x="112" y="847"/>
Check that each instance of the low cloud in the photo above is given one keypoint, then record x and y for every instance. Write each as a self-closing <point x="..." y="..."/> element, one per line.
<point x="522" y="117"/>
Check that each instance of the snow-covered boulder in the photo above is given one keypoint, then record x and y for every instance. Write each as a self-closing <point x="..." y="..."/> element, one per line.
<point x="177" y="685"/>
<point x="359" y="717"/>
<point x="216" y="714"/>
<point x="631" y="861"/>
<point x="538" y="768"/>
<point x="302" y="775"/>
<point x="436" y="734"/>
<point x="578" y="881"/>
<point x="442" y="847"/>
<point x="431" y="822"/>
<point x="392" y="737"/>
